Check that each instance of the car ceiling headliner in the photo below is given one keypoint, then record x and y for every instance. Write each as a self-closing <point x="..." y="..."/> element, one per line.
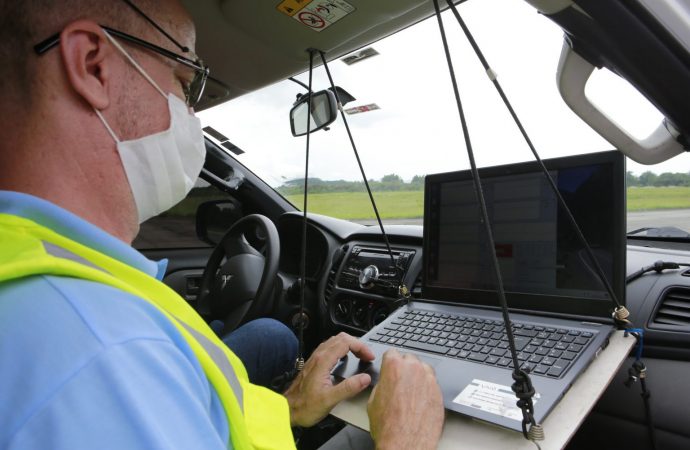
<point x="249" y="44"/>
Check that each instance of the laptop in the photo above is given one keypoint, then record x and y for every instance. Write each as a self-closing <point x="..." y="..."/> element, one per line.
<point x="559" y="308"/>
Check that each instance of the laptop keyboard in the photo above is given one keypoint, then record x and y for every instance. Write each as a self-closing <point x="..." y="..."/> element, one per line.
<point x="544" y="351"/>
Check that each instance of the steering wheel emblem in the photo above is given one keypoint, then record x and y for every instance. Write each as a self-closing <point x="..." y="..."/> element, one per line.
<point x="225" y="279"/>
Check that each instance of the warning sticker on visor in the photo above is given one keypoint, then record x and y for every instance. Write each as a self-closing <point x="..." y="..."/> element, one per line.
<point x="492" y="398"/>
<point x="316" y="14"/>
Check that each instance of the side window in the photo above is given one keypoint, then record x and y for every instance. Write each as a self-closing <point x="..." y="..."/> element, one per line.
<point x="176" y="228"/>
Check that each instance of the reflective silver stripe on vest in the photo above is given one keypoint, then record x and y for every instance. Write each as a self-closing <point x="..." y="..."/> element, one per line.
<point x="218" y="357"/>
<point x="60" y="252"/>
<point x="216" y="354"/>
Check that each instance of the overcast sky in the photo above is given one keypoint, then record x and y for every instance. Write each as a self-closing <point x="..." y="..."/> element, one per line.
<point x="417" y="130"/>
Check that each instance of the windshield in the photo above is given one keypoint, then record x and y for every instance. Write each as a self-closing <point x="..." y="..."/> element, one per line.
<point x="405" y="121"/>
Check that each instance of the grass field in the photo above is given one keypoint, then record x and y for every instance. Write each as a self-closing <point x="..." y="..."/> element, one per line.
<point x="651" y="198"/>
<point x="408" y="204"/>
<point x="356" y="205"/>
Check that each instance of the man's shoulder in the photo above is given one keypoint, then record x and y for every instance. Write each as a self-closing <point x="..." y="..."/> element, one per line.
<point x="61" y="322"/>
<point x="66" y="341"/>
<point x="69" y="305"/>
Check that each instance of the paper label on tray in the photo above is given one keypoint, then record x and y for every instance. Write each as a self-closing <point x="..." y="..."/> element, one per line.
<point x="492" y="398"/>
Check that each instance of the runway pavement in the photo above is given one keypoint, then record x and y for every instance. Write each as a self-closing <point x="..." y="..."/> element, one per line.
<point x="679" y="218"/>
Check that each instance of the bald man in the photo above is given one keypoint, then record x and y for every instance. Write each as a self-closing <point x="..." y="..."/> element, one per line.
<point x="89" y="118"/>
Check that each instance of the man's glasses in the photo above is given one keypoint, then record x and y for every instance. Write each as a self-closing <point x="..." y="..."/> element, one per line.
<point x="192" y="90"/>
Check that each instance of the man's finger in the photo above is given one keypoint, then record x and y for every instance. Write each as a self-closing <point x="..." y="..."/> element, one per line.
<point x="390" y="355"/>
<point x="361" y="350"/>
<point x="344" y="343"/>
<point x="388" y="361"/>
<point x="327" y="355"/>
<point x="410" y="356"/>
<point x="350" y="387"/>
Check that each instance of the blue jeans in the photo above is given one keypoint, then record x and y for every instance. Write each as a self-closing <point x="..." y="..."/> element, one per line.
<point x="266" y="347"/>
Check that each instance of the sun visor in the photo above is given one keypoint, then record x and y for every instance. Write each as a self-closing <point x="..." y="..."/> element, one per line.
<point x="338" y="26"/>
<point x="251" y="44"/>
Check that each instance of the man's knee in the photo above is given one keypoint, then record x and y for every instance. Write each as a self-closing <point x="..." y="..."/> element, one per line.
<point x="275" y="333"/>
<point x="267" y="348"/>
<point x="265" y="335"/>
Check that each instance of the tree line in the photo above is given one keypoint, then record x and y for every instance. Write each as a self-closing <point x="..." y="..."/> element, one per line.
<point x="391" y="182"/>
<point x="661" y="180"/>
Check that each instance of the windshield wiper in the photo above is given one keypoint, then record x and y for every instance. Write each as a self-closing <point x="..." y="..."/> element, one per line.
<point x="672" y="233"/>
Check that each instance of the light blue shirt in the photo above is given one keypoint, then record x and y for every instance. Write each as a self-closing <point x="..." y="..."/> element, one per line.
<point x="86" y="366"/>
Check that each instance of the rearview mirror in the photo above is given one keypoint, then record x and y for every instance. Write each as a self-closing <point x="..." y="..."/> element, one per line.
<point x="323" y="112"/>
<point x="216" y="217"/>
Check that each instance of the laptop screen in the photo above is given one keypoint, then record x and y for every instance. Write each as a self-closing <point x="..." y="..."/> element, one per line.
<point x="543" y="264"/>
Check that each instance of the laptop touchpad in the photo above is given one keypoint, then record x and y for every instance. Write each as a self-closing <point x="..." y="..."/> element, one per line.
<point x="433" y="362"/>
<point x="350" y="365"/>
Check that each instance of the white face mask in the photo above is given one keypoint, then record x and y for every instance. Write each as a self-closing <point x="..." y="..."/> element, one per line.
<point x="162" y="167"/>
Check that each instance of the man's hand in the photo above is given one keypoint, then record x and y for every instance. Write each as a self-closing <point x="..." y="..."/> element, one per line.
<point x="406" y="407"/>
<point x="312" y="395"/>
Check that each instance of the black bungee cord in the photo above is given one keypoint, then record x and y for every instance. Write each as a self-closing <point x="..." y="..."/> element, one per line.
<point x="620" y="314"/>
<point x="403" y="291"/>
<point x="522" y="386"/>
<point x="299" y="363"/>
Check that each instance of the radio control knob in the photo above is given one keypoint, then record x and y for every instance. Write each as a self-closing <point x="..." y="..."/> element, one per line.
<point x="367" y="276"/>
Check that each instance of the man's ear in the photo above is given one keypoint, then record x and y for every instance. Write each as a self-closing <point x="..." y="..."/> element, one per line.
<point x="85" y="50"/>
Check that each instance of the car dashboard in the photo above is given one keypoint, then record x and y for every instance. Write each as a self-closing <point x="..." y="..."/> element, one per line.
<point x="355" y="287"/>
<point x="342" y="298"/>
<point x="354" y="283"/>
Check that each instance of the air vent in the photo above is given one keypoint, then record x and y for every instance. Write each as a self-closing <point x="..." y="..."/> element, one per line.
<point x="674" y="309"/>
<point x="222" y="140"/>
<point x="330" y="283"/>
<point x="335" y="263"/>
<point x="417" y="287"/>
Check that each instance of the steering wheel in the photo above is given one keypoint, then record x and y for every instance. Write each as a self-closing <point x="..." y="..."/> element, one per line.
<point x="237" y="284"/>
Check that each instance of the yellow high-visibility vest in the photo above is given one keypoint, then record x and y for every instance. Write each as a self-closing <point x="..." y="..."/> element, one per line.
<point x="258" y="418"/>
